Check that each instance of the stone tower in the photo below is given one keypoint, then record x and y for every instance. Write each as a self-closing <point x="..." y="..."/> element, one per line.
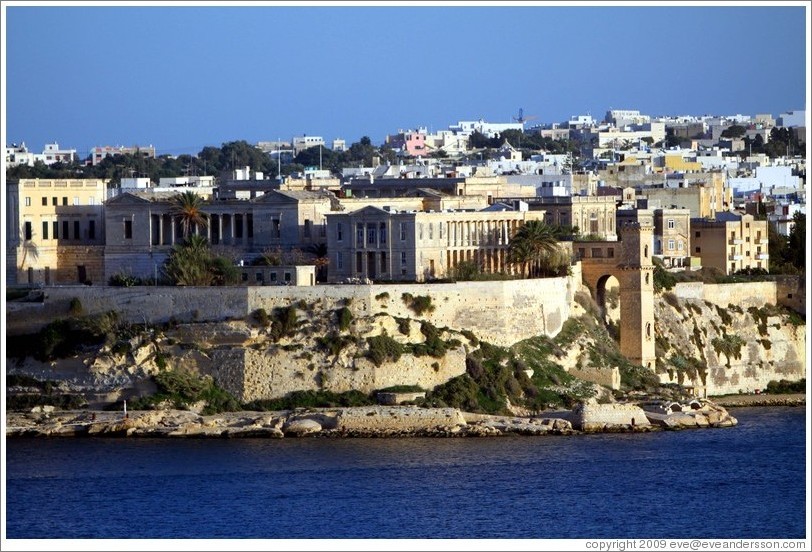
<point x="636" y="277"/>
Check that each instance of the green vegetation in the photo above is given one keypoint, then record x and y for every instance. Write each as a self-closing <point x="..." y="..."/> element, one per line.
<point x="418" y="304"/>
<point x="663" y="279"/>
<point x="344" y="318"/>
<point x="75" y="308"/>
<point x="284" y="322"/>
<point x="404" y="325"/>
<point x="535" y="249"/>
<point x="192" y="263"/>
<point x="262" y="318"/>
<point x="433" y="345"/>
<point x="760" y="317"/>
<point x="383" y="348"/>
<point x="311" y="399"/>
<point x="402" y="389"/>
<point x="382" y="296"/>
<point x="727" y="320"/>
<point x="333" y="343"/>
<point x="785" y="386"/>
<point x="181" y="389"/>
<point x="729" y="345"/>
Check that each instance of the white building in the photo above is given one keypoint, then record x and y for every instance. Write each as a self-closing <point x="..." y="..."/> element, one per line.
<point x="491" y="130"/>
<point x="339" y="144"/>
<point x="19" y="155"/>
<point x="301" y="143"/>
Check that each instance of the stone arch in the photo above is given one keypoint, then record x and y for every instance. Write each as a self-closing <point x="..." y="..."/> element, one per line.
<point x="627" y="260"/>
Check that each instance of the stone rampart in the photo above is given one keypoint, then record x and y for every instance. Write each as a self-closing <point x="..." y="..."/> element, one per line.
<point x="744" y="295"/>
<point x="608" y="377"/>
<point x="597" y="417"/>
<point x="405" y="419"/>
<point x="500" y="312"/>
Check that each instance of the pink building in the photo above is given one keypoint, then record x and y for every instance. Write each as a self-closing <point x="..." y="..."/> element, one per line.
<point x="409" y="142"/>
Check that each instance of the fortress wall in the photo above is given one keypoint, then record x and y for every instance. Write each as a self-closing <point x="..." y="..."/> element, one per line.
<point x="500" y="312"/>
<point x="744" y="295"/>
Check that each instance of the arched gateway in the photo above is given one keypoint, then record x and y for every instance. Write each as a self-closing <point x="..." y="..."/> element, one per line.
<point x="628" y="260"/>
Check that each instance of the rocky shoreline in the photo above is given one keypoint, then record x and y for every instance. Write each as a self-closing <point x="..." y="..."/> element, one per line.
<point x="789" y="399"/>
<point x="372" y="421"/>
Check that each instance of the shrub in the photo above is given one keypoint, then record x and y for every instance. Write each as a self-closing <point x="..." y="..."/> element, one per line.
<point x="418" y="304"/>
<point x="383" y="348"/>
<point x="382" y="296"/>
<point x="404" y="325"/>
<point x="344" y="318"/>
<point x="333" y="343"/>
<point x="312" y="399"/>
<point x="75" y="308"/>
<point x="122" y="279"/>
<point x="262" y="318"/>
<point x="786" y="386"/>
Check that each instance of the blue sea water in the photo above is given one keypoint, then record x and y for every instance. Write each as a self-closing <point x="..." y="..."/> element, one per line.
<point x="742" y="482"/>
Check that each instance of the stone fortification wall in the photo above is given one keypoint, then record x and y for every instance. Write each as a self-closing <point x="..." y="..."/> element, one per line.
<point x="753" y="294"/>
<point x="379" y="418"/>
<point x="597" y="417"/>
<point x="501" y="312"/>
<point x="608" y="377"/>
<point x="251" y="375"/>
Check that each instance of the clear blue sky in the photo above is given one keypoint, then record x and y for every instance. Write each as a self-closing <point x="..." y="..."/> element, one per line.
<point x="181" y="78"/>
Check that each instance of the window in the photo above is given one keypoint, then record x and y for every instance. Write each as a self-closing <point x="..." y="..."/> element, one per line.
<point x="244" y="276"/>
<point x="273" y="276"/>
<point x="91" y="229"/>
<point x="403" y="258"/>
<point x="610" y="252"/>
<point x="65" y="200"/>
<point x="77" y="235"/>
<point x="261" y="277"/>
<point x="371" y="233"/>
<point x="402" y="231"/>
<point x="420" y="231"/>
<point x="340" y="231"/>
<point x="287" y="277"/>
<point x="359" y="234"/>
<point x="44" y="201"/>
<point x="359" y="262"/>
<point x="431" y="231"/>
<point x="28" y="231"/>
<point x="307" y="227"/>
<point x="92" y="201"/>
<point x="697" y="234"/>
<point x="383" y="262"/>
<point x="277" y="230"/>
<point x="65" y="228"/>
<point x="128" y="229"/>
<point x="671" y="245"/>
<point x="44" y="230"/>
<point x="698" y="250"/>
<point x="54" y="201"/>
<point x="679" y="245"/>
<point x="28" y="202"/>
<point x="670" y="224"/>
<point x="339" y="260"/>
<point x="55" y="227"/>
<point x="382" y="233"/>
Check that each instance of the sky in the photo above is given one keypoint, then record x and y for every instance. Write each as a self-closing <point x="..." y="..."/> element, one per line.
<point x="184" y="77"/>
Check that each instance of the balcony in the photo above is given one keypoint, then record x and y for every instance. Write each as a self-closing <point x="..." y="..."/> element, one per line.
<point x="735" y="258"/>
<point x="762" y="256"/>
<point x="735" y="241"/>
<point x="763" y="241"/>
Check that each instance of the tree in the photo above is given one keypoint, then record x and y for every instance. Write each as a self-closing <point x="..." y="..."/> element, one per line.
<point x="734" y="131"/>
<point x="535" y="248"/>
<point x="188" y="206"/>
<point x="797" y="242"/>
<point x="193" y="263"/>
<point x="319" y="251"/>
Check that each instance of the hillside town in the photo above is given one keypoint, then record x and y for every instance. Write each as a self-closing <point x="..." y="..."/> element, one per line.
<point x="425" y="206"/>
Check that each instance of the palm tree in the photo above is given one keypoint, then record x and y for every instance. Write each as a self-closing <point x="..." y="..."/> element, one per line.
<point x="188" y="206"/>
<point x="535" y="248"/>
<point x="319" y="250"/>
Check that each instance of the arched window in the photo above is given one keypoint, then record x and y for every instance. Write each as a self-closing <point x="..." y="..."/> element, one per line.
<point x="645" y="252"/>
<point x="648" y="330"/>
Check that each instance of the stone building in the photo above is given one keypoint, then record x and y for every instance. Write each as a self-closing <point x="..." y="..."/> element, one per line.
<point x="378" y="244"/>
<point x="141" y="227"/>
<point x="54" y="231"/>
<point x="731" y="242"/>
<point x="593" y="215"/>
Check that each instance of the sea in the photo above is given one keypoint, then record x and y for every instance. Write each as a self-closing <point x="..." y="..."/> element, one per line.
<point x="748" y="481"/>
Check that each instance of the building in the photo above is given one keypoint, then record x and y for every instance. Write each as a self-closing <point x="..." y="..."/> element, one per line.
<point x="594" y="216"/>
<point x="55" y="231"/>
<point x="98" y="153"/>
<point x="490" y="130"/>
<point x="704" y="197"/>
<point x="301" y="143"/>
<point x="731" y="242"/>
<point x="792" y="119"/>
<point x="141" y="227"/>
<point x="19" y="155"/>
<point x="408" y="142"/>
<point x="339" y="144"/>
<point x="380" y="244"/>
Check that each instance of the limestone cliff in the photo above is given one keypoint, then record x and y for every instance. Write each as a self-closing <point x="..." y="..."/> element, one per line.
<point x="723" y="350"/>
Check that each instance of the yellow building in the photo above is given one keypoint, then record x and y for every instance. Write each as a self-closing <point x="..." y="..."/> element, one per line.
<point x="55" y="231"/>
<point x="731" y="242"/>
